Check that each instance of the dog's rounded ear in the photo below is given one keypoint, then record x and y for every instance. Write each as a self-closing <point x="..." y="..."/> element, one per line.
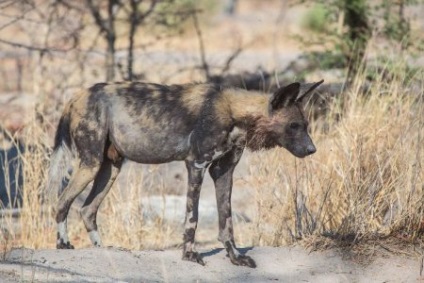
<point x="284" y="96"/>
<point x="306" y="89"/>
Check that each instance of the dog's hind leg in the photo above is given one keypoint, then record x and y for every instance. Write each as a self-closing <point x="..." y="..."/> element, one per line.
<point x="79" y="181"/>
<point x="108" y="172"/>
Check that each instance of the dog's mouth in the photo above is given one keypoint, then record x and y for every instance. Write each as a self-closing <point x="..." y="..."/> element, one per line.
<point x="299" y="155"/>
<point x="300" y="152"/>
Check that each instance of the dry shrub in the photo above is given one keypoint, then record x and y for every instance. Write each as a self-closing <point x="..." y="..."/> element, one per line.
<point x="34" y="226"/>
<point x="366" y="178"/>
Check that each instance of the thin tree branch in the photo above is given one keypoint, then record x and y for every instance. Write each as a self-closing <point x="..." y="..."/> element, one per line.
<point x="144" y="15"/>
<point x="12" y="2"/>
<point x="135" y="19"/>
<point x="201" y="45"/>
<point x="70" y="6"/>
<point x="33" y="48"/>
<point x="14" y="19"/>
<point x="230" y="60"/>
<point x="95" y="12"/>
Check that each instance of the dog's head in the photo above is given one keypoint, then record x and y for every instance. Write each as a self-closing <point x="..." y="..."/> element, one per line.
<point x="286" y="125"/>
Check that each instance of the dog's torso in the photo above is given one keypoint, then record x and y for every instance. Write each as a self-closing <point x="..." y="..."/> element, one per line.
<point x="150" y="123"/>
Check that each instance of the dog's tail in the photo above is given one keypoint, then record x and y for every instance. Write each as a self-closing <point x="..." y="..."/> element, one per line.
<point x="61" y="157"/>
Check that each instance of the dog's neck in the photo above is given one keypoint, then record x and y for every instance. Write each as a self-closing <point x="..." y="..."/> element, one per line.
<point x="250" y="112"/>
<point x="246" y="106"/>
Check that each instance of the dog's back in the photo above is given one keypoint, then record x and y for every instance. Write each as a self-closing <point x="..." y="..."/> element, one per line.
<point x="147" y="123"/>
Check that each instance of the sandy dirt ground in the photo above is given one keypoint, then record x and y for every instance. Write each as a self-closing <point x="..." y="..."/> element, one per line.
<point x="274" y="264"/>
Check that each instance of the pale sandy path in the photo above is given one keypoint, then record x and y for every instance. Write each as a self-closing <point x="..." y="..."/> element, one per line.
<point x="274" y="264"/>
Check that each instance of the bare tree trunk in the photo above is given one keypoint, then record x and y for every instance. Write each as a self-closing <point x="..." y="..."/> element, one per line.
<point x="107" y="27"/>
<point x="359" y="33"/>
<point x="136" y="18"/>
<point x="404" y="26"/>
<point x="133" y="28"/>
<point x="19" y="69"/>
<point x="205" y="65"/>
<point x="110" y="38"/>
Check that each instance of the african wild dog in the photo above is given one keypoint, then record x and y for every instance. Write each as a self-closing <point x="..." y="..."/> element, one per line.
<point x="203" y="124"/>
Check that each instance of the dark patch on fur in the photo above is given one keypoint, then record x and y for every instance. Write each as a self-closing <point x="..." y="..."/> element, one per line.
<point x="97" y="87"/>
<point x="90" y="141"/>
<point x="193" y="256"/>
<point x="207" y="130"/>
<point x="88" y="144"/>
<point x="242" y="260"/>
<point x="193" y="194"/>
<point x="62" y="244"/>
<point x="189" y="235"/>
<point x="164" y="105"/>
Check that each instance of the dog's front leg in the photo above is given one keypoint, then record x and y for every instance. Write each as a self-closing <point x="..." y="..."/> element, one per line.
<point x="221" y="172"/>
<point x="195" y="179"/>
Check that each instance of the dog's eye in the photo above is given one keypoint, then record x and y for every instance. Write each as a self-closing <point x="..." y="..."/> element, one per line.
<point x="294" y="126"/>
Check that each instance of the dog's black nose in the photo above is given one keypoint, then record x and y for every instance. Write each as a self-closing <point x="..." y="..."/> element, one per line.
<point x="311" y="149"/>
